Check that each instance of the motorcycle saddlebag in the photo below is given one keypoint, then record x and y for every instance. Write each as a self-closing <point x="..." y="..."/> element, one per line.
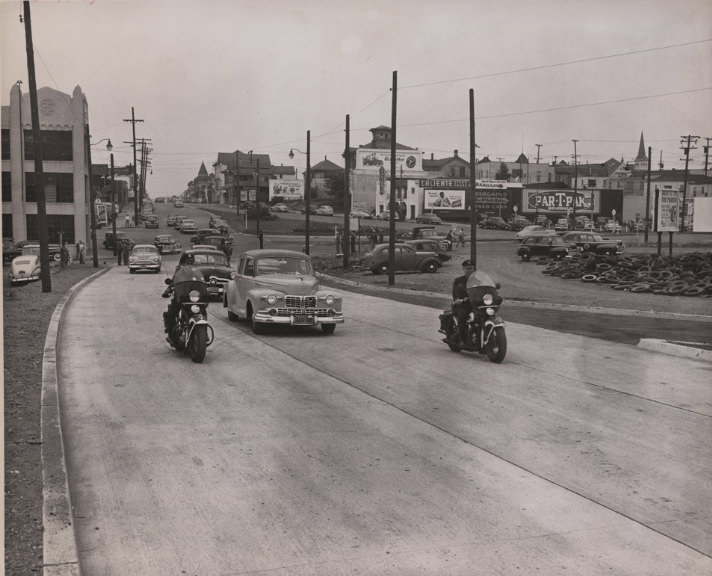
<point x="447" y="322"/>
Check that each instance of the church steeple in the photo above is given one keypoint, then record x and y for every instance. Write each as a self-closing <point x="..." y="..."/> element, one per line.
<point x="641" y="160"/>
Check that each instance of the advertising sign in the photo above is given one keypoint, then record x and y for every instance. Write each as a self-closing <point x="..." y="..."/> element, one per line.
<point x="667" y="213"/>
<point x="374" y="159"/>
<point x="287" y="189"/>
<point x="434" y="198"/>
<point x="562" y="201"/>
<point x="450" y="193"/>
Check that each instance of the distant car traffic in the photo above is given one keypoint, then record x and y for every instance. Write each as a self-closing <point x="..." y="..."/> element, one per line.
<point x="178" y="204"/>
<point x="279" y="207"/>
<point x="144" y="257"/>
<point x="325" y="211"/>
<point x="188" y="226"/>
<point x="151" y="221"/>
<point x="120" y="236"/>
<point x="562" y="225"/>
<point x="171" y="220"/>
<point x="429" y="218"/>
<point x="495" y="223"/>
<point x="166" y="244"/>
<point x="279" y="287"/>
<point x="531" y="230"/>
<point x="406" y="259"/>
<point x="360" y="214"/>
<point x="549" y="245"/>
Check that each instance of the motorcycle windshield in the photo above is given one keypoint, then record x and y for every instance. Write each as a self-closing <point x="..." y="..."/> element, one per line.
<point x="479" y="279"/>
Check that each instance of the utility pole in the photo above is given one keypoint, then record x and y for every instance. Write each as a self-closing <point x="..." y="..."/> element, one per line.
<point x="647" y="197"/>
<point x="346" y="238"/>
<point x="39" y="174"/>
<point x="257" y="198"/>
<point x="575" y="179"/>
<point x="538" y="148"/>
<point x="133" y="143"/>
<point x="660" y="163"/>
<point x="707" y="153"/>
<point x="237" y="181"/>
<point x="686" y="150"/>
<point x="392" y="200"/>
<point x="473" y="183"/>
<point x="92" y="205"/>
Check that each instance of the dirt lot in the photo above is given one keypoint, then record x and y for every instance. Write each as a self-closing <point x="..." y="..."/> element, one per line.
<point x="26" y="315"/>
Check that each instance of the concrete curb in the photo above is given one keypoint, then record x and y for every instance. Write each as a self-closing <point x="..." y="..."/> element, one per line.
<point x="692" y="350"/>
<point x="59" y="546"/>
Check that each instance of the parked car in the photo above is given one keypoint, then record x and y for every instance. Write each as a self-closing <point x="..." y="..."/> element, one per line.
<point x="279" y="287"/>
<point x="279" y="207"/>
<point x="549" y="245"/>
<point x="519" y="223"/>
<point x="430" y="233"/>
<point x="178" y="221"/>
<point x="495" y="223"/>
<point x="11" y="251"/>
<point x="562" y="225"/>
<point x="171" y="220"/>
<point x="213" y="265"/>
<point x="188" y="226"/>
<point x="530" y="230"/>
<point x="386" y="215"/>
<point x="120" y="236"/>
<point x="613" y="226"/>
<point x="166" y="244"/>
<point x="24" y="268"/>
<point x="151" y="221"/>
<point x="422" y="245"/>
<point x="312" y="210"/>
<point x="428" y="218"/>
<point x="325" y="211"/>
<point x="360" y="214"/>
<point x="33" y="249"/>
<point x="593" y="242"/>
<point x="144" y="257"/>
<point x="406" y="259"/>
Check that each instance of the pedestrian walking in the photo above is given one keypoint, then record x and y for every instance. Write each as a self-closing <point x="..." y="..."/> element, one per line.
<point x="128" y="221"/>
<point x="338" y="243"/>
<point x="460" y="238"/>
<point x="125" y="251"/>
<point x="82" y="249"/>
<point x="119" y="250"/>
<point x="380" y="236"/>
<point x="64" y="255"/>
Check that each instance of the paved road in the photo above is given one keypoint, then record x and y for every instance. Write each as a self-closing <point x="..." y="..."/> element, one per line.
<point x="376" y="450"/>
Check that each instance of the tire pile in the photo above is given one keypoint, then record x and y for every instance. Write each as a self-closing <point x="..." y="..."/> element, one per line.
<point x="684" y="275"/>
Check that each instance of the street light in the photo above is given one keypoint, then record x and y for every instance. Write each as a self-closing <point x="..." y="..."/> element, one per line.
<point x="307" y="189"/>
<point x="92" y="195"/>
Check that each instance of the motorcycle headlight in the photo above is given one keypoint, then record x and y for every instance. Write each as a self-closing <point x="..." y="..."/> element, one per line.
<point x="329" y="300"/>
<point x="488" y="299"/>
<point x="194" y="296"/>
<point x="195" y="308"/>
<point x="490" y="311"/>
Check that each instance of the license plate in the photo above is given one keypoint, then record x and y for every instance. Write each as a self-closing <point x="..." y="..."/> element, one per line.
<point x="303" y="319"/>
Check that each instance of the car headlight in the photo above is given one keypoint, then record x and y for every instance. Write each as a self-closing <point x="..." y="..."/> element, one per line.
<point x="233" y="275"/>
<point x="194" y="296"/>
<point x="132" y="259"/>
<point x="488" y="299"/>
<point x="329" y="300"/>
<point x="271" y="299"/>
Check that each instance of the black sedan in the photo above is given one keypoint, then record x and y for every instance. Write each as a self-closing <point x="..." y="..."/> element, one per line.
<point x="546" y="245"/>
<point x="213" y="265"/>
<point x="592" y="242"/>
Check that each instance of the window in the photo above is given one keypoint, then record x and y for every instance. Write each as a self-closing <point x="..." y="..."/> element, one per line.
<point x="5" y="144"/>
<point x="7" y="226"/>
<point x="591" y="183"/>
<point x="56" y="145"/>
<point x="7" y="186"/>
<point x="59" y="187"/>
<point x="60" y="228"/>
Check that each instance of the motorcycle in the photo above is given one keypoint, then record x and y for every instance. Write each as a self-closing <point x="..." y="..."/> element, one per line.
<point x="485" y="329"/>
<point x="191" y="331"/>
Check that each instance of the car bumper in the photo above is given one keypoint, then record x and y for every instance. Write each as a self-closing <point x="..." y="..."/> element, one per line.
<point x="294" y="318"/>
<point x="151" y="267"/>
<point x="23" y="278"/>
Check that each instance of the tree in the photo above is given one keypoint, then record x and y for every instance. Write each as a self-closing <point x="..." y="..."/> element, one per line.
<point x="335" y="190"/>
<point x="503" y="173"/>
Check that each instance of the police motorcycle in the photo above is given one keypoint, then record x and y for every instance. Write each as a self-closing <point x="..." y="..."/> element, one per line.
<point x="485" y="331"/>
<point x="191" y="331"/>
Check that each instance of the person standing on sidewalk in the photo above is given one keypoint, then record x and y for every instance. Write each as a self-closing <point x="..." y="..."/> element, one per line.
<point x="128" y="221"/>
<point x="125" y="252"/>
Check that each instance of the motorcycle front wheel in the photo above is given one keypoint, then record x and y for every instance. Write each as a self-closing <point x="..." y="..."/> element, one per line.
<point x="198" y="344"/>
<point x="496" y="347"/>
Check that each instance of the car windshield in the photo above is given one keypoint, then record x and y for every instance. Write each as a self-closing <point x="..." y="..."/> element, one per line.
<point x="479" y="278"/>
<point x="218" y="259"/>
<point x="145" y="249"/>
<point x="283" y="265"/>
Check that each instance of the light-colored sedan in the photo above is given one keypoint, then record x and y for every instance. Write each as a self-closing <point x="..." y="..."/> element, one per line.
<point x="144" y="257"/>
<point x="24" y="268"/>
<point x="279" y="287"/>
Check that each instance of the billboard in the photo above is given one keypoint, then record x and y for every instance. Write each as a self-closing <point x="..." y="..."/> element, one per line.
<point x="287" y="189"/>
<point x="667" y="210"/>
<point x="561" y="201"/>
<point x="451" y="194"/>
<point x="434" y="198"/>
<point x="406" y="160"/>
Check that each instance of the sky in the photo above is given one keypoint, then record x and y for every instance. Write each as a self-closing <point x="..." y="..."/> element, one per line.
<point x="215" y="76"/>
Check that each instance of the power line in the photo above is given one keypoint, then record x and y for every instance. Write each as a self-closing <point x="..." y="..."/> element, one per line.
<point x="558" y="64"/>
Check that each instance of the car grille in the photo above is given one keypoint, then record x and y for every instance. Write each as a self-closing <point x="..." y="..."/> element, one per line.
<point x="300" y="302"/>
<point x="218" y="280"/>
<point x="323" y="312"/>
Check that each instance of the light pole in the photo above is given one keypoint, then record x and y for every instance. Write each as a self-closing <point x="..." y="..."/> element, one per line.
<point x="113" y="198"/>
<point x="307" y="190"/>
<point x="257" y="198"/>
<point x="92" y="196"/>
